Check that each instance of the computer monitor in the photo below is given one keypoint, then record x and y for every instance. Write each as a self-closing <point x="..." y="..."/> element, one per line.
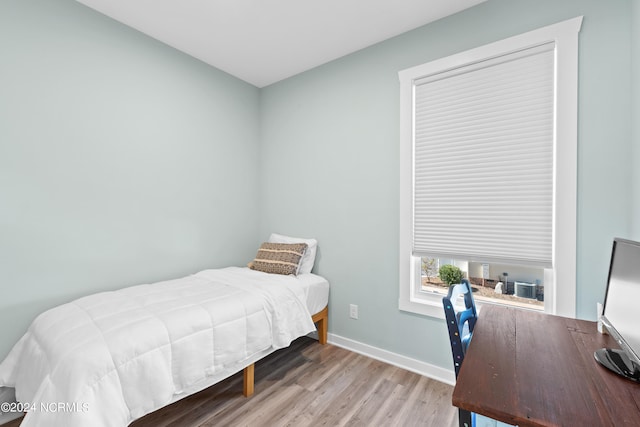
<point x="621" y="312"/>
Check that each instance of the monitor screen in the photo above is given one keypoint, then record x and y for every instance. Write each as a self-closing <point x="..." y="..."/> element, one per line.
<point x="621" y="313"/>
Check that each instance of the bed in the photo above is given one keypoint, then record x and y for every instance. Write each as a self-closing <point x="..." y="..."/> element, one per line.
<point x="110" y="358"/>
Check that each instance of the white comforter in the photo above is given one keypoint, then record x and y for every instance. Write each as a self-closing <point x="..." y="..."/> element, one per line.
<point x="109" y="358"/>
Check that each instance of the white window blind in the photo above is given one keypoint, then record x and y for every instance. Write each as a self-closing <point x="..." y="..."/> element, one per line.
<point x="483" y="160"/>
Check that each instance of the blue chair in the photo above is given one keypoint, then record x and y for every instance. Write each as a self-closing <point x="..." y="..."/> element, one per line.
<point x="460" y="323"/>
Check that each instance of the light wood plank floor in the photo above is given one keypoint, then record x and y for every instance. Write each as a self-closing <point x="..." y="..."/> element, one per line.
<point x="308" y="384"/>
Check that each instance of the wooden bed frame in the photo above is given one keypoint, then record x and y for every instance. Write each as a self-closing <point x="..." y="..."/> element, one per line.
<point x="321" y="319"/>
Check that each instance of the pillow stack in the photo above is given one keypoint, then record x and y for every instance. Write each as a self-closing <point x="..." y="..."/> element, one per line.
<point x="279" y="258"/>
<point x="306" y="264"/>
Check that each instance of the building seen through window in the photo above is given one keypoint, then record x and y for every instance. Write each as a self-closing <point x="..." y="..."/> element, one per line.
<point x="494" y="283"/>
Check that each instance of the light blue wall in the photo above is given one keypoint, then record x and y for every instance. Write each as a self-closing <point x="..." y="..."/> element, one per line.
<point x="122" y="161"/>
<point x="635" y="111"/>
<point x="330" y="162"/>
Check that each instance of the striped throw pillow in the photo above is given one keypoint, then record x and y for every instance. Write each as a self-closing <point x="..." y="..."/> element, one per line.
<point x="279" y="258"/>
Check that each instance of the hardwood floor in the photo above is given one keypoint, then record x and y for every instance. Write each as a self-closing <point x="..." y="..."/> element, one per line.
<point x="308" y="384"/>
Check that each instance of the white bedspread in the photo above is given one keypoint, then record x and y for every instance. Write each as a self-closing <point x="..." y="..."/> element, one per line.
<point x="109" y="358"/>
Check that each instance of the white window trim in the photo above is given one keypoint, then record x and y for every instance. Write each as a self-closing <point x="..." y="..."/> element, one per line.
<point x="560" y="300"/>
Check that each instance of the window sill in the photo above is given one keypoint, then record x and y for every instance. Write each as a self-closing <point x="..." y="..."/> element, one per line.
<point x="427" y="305"/>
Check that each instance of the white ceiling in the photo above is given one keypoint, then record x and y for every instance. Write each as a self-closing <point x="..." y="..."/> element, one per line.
<point x="264" y="41"/>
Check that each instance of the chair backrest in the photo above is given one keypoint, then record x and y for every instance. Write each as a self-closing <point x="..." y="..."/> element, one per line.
<point x="460" y="321"/>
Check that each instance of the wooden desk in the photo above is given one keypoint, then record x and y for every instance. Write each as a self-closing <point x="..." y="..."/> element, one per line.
<point x="530" y="369"/>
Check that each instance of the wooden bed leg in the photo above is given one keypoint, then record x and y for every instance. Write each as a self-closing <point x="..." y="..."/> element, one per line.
<point x="322" y="331"/>
<point x="249" y="377"/>
<point x="322" y="320"/>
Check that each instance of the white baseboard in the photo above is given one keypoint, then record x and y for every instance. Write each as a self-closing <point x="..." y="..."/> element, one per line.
<point x="8" y="394"/>
<point x="428" y="370"/>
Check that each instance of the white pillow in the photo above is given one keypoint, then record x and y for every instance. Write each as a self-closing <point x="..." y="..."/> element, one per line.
<point x="309" y="257"/>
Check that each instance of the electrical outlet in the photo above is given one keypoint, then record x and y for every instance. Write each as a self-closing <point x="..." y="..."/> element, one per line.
<point x="353" y="311"/>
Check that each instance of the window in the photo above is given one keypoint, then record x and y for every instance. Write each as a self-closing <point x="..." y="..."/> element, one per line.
<point x="515" y="285"/>
<point x="488" y="168"/>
